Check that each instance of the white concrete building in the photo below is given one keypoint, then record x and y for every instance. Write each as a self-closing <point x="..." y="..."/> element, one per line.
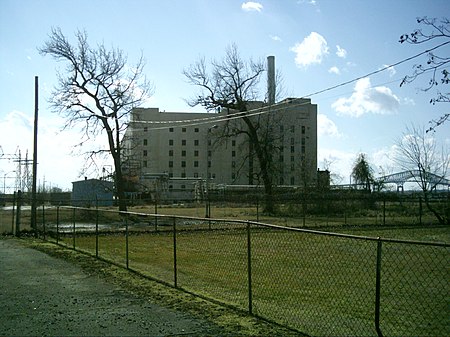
<point x="175" y="152"/>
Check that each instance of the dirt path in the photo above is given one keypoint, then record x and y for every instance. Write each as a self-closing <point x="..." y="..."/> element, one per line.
<point x="44" y="295"/>
<point x="46" y="289"/>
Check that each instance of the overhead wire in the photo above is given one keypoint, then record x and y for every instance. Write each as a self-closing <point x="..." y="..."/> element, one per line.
<point x="217" y="118"/>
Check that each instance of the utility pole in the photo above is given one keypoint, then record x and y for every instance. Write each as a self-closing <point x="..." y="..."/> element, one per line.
<point x="33" y="191"/>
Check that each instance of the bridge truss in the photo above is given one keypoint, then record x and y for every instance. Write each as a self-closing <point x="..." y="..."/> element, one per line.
<point x="401" y="178"/>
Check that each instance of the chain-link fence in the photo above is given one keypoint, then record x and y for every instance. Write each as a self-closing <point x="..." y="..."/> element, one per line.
<point x="315" y="282"/>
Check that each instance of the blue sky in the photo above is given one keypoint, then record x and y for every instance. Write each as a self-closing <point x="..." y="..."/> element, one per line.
<point x="316" y="44"/>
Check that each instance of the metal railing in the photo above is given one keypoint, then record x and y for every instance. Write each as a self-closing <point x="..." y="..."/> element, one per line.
<point x="316" y="282"/>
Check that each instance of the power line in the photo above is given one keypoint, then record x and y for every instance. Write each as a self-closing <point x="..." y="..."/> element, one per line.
<point x="377" y="71"/>
<point x="273" y="108"/>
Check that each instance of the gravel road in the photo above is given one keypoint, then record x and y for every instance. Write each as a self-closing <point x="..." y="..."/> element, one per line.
<point x="44" y="295"/>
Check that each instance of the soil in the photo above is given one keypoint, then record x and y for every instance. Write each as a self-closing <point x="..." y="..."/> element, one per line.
<point x="50" y="290"/>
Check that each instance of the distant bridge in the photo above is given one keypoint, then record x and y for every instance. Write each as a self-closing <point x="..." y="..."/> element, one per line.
<point x="401" y="178"/>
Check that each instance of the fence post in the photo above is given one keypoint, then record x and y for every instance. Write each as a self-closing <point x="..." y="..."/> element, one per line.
<point x="345" y="210"/>
<point x="384" y="211"/>
<point x="18" y="209"/>
<point x="73" y="229"/>
<point x="378" y="288"/>
<point x="257" y="208"/>
<point x="420" y="210"/>
<point x="43" y="222"/>
<point x="175" y="276"/>
<point x="126" y="240"/>
<point x="13" y="213"/>
<point x="57" y="224"/>
<point x="249" y="270"/>
<point x="96" y="231"/>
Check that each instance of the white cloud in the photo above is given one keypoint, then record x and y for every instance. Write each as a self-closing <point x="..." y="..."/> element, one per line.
<point x="365" y="99"/>
<point x="334" y="70"/>
<point x="408" y="101"/>
<point x="391" y="70"/>
<point x="309" y="2"/>
<point x="275" y="38"/>
<point x="341" y="52"/>
<point x="326" y="127"/>
<point x="383" y="159"/>
<point x="251" y="6"/>
<point x="310" y="51"/>
<point x="340" y="162"/>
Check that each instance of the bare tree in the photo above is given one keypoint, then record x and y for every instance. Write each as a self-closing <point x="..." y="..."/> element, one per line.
<point x="232" y="84"/>
<point x="97" y="91"/>
<point x="418" y="153"/>
<point x="438" y="31"/>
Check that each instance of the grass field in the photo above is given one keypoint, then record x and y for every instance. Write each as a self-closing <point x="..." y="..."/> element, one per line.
<point x="317" y="284"/>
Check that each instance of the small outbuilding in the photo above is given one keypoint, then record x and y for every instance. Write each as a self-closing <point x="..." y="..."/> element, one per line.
<point x="92" y="192"/>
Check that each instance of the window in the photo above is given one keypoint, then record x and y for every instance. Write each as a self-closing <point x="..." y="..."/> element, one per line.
<point x="170" y="129"/>
<point x="292" y="158"/>
<point x="196" y="130"/>
<point x="196" y="142"/>
<point x="233" y="175"/>
<point x="303" y="141"/>
<point x="292" y="141"/>
<point x="183" y="142"/>
<point x="145" y="129"/>
<point x="170" y="153"/>
<point x="292" y="128"/>
<point x="233" y="143"/>
<point x="233" y="153"/>
<point x="170" y="163"/>
<point x="183" y="130"/>
<point x="183" y="153"/>
<point x="196" y="153"/>
<point x="292" y="149"/>
<point x="233" y="164"/>
<point x="196" y="163"/>
<point x="171" y="142"/>
<point x="183" y="175"/>
<point x="145" y="153"/>
<point x="145" y="142"/>
<point x="195" y="174"/>
<point x="183" y="163"/>
<point x="303" y="130"/>
<point x="144" y="163"/>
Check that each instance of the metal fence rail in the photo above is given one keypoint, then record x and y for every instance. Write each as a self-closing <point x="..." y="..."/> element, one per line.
<point x="316" y="282"/>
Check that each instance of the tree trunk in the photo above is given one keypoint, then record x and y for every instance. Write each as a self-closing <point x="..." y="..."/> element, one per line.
<point x="115" y="150"/>
<point x="120" y="188"/>
<point x="442" y="220"/>
<point x="264" y="166"/>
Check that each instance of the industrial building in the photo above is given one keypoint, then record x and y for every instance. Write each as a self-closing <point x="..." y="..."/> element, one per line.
<point x="180" y="155"/>
<point x="169" y="151"/>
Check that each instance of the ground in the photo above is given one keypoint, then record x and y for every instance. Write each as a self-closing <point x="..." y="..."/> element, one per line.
<point x="50" y="290"/>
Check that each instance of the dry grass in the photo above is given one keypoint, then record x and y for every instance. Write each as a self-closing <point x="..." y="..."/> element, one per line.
<point x="314" y="283"/>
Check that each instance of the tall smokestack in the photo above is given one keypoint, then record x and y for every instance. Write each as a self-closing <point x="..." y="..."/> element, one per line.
<point x="271" y="79"/>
